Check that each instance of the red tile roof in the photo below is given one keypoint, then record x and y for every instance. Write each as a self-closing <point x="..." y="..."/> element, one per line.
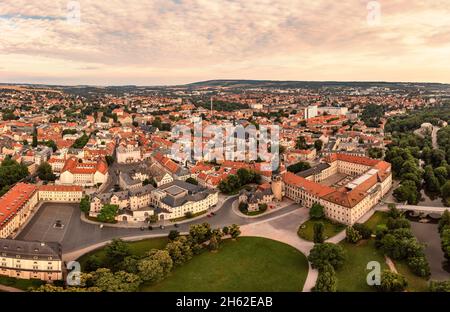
<point x="14" y="199"/>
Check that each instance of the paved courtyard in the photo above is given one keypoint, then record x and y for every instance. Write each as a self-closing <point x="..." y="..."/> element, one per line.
<point x="45" y="230"/>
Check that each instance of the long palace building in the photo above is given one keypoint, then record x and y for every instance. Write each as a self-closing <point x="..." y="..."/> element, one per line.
<point x="347" y="186"/>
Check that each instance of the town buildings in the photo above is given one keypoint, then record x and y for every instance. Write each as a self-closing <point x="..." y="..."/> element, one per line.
<point x="169" y="201"/>
<point x="347" y="186"/>
<point x="31" y="260"/>
<point x="84" y="173"/>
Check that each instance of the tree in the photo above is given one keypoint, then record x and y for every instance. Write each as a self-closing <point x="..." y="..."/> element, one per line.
<point x="363" y="229"/>
<point x="92" y="263"/>
<point x="431" y="182"/>
<point x="441" y="174"/>
<point x="85" y="204"/>
<point x="130" y="264"/>
<point x="81" y="141"/>
<point x="444" y="222"/>
<point x="445" y="193"/>
<point x="173" y="234"/>
<point x="45" y="172"/>
<point x="321" y="254"/>
<point x="319" y="236"/>
<point x="108" y="213"/>
<point x="352" y="235"/>
<point x="235" y="231"/>
<point x="318" y="144"/>
<point x="407" y="191"/>
<point x="301" y="143"/>
<point x="394" y="212"/>
<point x="179" y="250"/>
<point x="262" y="207"/>
<point x="225" y="230"/>
<point x="375" y="152"/>
<point x="192" y="181"/>
<point x="156" y="266"/>
<point x="11" y="172"/>
<point x="213" y="243"/>
<point x="400" y="223"/>
<point x="200" y="233"/>
<point x="35" y="138"/>
<point x="440" y="286"/>
<point x="326" y="281"/>
<point x="120" y="281"/>
<point x="116" y="252"/>
<point x="391" y="281"/>
<point x="419" y="265"/>
<point x="298" y="167"/>
<point x="316" y="211"/>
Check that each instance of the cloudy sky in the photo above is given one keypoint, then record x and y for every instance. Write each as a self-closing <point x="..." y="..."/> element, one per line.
<point x="154" y="42"/>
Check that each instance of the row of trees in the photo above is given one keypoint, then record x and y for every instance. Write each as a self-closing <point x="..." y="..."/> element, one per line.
<point x="444" y="232"/>
<point x="396" y="240"/>
<point x="407" y="149"/>
<point x="233" y="182"/>
<point x="126" y="272"/>
<point x="81" y="141"/>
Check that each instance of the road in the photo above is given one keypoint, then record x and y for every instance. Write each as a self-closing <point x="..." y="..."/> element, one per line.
<point x="77" y="234"/>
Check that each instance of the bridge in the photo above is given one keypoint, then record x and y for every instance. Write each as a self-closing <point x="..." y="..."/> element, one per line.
<point x="419" y="209"/>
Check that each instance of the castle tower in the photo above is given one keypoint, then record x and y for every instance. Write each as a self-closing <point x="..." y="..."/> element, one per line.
<point x="277" y="188"/>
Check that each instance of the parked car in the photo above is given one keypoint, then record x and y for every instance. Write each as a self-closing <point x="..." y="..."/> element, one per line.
<point x="161" y="227"/>
<point x="176" y="225"/>
<point x="142" y="228"/>
<point x="150" y="228"/>
<point x="213" y="213"/>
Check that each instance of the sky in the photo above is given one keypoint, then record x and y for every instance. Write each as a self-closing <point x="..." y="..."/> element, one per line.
<point x="166" y="42"/>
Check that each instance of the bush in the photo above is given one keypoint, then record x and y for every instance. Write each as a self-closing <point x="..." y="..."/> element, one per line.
<point x="319" y="236"/>
<point x="262" y="207"/>
<point x="440" y="286"/>
<point x="391" y="281"/>
<point x="321" y="254"/>
<point x="352" y="235"/>
<point x="316" y="211"/>
<point x="173" y="234"/>
<point x="326" y="281"/>
<point x="363" y="229"/>
<point x="419" y="265"/>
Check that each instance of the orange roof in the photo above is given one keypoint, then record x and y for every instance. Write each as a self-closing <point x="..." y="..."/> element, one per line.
<point x="14" y="199"/>
<point x="309" y="186"/>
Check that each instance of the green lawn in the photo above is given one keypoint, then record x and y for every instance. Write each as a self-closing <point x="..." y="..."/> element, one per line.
<point x="306" y="230"/>
<point x="415" y="283"/>
<point x="23" y="284"/>
<point x="352" y="275"/>
<point x="248" y="264"/>
<point x="138" y="248"/>
<point x="379" y="217"/>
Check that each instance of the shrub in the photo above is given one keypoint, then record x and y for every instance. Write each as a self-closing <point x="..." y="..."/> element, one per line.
<point x="363" y="229"/>
<point x="352" y="235"/>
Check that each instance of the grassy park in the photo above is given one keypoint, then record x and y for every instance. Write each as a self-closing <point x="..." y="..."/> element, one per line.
<point x="248" y="264"/>
<point x="306" y="230"/>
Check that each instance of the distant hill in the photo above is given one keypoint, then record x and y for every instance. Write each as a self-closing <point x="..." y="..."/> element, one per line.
<point x="308" y="84"/>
